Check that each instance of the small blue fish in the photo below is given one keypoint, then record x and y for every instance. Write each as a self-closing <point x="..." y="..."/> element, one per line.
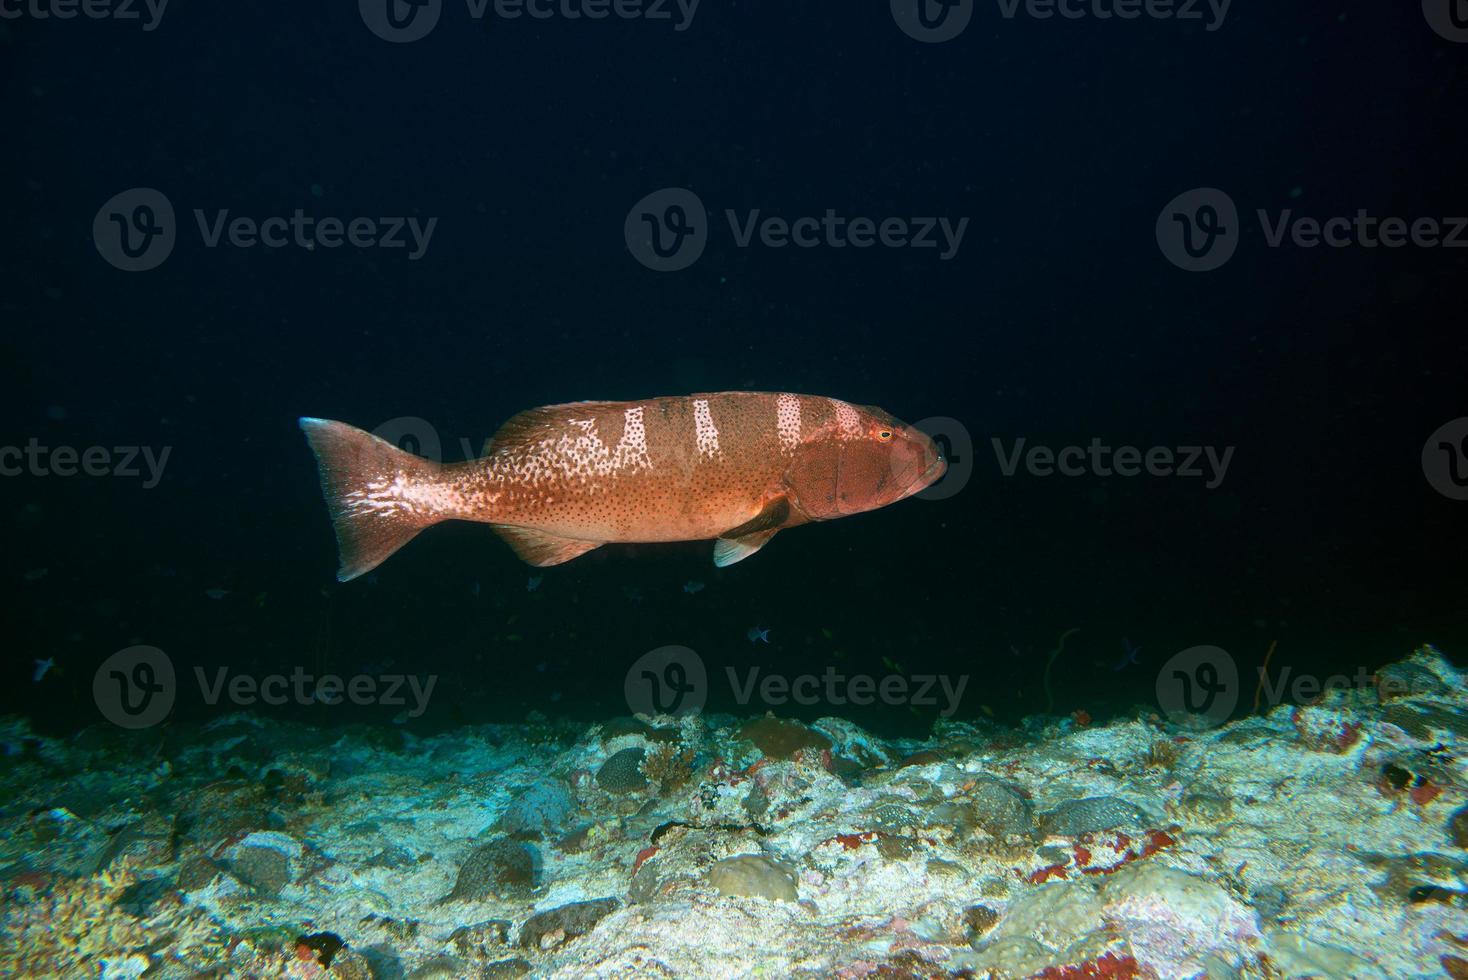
<point x="755" y="633"/>
<point x="42" y="668"/>
<point x="693" y="586"/>
<point x="1128" y="658"/>
<point x="216" y="594"/>
<point x="533" y="582"/>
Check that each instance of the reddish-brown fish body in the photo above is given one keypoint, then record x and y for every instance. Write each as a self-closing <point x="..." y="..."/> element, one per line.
<point x="558" y="481"/>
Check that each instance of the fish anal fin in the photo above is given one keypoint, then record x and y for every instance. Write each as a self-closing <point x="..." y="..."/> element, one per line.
<point x="541" y="549"/>
<point x="727" y="551"/>
<point x="771" y="517"/>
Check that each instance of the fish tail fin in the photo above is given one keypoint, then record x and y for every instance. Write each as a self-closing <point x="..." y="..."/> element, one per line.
<point x="368" y="484"/>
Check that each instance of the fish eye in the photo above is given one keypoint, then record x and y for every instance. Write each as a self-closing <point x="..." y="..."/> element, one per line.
<point x="884" y="434"/>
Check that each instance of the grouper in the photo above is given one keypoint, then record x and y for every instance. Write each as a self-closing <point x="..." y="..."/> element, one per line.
<point x="558" y="481"/>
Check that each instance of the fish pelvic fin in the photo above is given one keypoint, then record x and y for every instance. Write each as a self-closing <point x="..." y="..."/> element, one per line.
<point x="373" y="492"/>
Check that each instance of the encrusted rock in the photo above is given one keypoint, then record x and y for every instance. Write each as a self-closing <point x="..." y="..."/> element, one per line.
<point x="1426" y="723"/>
<point x="1458" y="827"/>
<point x="754" y="876"/>
<point x="264" y="860"/>
<point x="481" y="940"/>
<point x="618" y="727"/>
<point x="1403" y="680"/>
<point x="543" y="809"/>
<point x="999" y="809"/>
<point x="553" y="927"/>
<point x="506" y="969"/>
<point x="977" y="921"/>
<point x="622" y="772"/>
<point x="1092" y="815"/>
<point x="777" y="738"/>
<point x="501" y="869"/>
<point x="149" y="841"/>
<point x="440" y="968"/>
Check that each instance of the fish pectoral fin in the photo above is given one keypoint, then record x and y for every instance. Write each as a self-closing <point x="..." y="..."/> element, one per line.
<point x="727" y="551"/>
<point x="771" y="517"/>
<point x="738" y="543"/>
<point x="542" y="549"/>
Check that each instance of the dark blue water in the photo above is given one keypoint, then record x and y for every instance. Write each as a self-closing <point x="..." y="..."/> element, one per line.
<point x="1058" y="319"/>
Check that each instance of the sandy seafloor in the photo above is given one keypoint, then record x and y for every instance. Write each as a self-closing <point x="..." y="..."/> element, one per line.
<point x="1315" y="841"/>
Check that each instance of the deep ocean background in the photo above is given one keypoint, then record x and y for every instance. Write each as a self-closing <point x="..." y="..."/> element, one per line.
<point x="1059" y="320"/>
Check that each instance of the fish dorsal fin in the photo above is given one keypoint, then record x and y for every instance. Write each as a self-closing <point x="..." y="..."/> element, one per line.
<point x="738" y="543"/>
<point x="727" y="551"/>
<point x="772" y="516"/>
<point x="539" y="423"/>
<point x="541" y="549"/>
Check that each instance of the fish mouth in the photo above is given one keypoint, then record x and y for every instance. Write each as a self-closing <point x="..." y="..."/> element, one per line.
<point x="918" y="478"/>
<point x="930" y="475"/>
<point x="934" y="472"/>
